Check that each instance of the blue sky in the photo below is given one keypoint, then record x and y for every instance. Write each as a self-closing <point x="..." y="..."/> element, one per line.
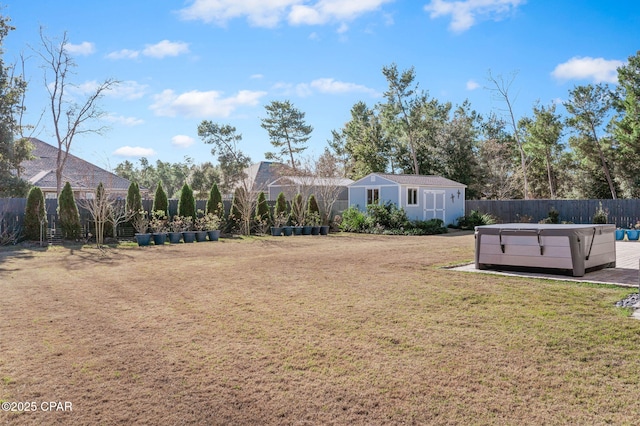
<point x="224" y="60"/>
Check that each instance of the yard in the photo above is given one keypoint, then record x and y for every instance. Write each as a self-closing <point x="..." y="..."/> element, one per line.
<point x="343" y="329"/>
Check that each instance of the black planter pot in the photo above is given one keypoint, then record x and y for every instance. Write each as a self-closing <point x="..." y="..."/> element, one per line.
<point x="159" y="238"/>
<point x="297" y="230"/>
<point x="213" y="235"/>
<point x="315" y="230"/>
<point x="324" y="230"/>
<point x="276" y="231"/>
<point x="306" y="230"/>
<point x="201" y="236"/>
<point x="143" y="239"/>
<point x="189" y="236"/>
<point x="287" y="230"/>
<point x="174" y="237"/>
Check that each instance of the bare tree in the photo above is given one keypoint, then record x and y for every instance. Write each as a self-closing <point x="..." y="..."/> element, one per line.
<point x="99" y="207"/>
<point x="69" y="118"/>
<point x="501" y="88"/>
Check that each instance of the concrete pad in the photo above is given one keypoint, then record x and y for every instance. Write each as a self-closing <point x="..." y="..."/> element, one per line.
<point x="625" y="273"/>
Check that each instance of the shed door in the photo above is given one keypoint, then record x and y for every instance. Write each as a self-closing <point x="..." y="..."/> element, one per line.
<point x="434" y="205"/>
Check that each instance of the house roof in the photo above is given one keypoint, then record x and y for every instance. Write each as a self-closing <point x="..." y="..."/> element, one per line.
<point x="311" y="181"/>
<point x="418" y="180"/>
<point x="82" y="175"/>
<point x="263" y="173"/>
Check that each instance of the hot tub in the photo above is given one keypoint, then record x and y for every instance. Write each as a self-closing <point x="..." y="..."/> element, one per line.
<point x="572" y="248"/>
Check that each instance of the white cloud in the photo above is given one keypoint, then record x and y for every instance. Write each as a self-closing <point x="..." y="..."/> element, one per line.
<point x="324" y="86"/>
<point x="464" y="13"/>
<point x="257" y="77"/>
<point x="182" y="141"/>
<point x="134" y="151"/>
<point x="128" y="90"/>
<point x="598" y="70"/>
<point x="269" y="13"/>
<point x="196" y="104"/>
<point x="125" y="121"/>
<point x="329" y="85"/>
<point x="124" y="54"/>
<point x="84" y="49"/>
<point x="165" y="48"/>
<point x="324" y="11"/>
<point x="472" y="85"/>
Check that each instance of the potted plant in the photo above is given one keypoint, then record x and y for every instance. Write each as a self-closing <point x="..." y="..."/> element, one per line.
<point x="176" y="227"/>
<point x="633" y="233"/>
<point x="200" y="226"/>
<point x="278" y="221"/>
<point x="213" y="226"/>
<point x="140" y="223"/>
<point x="313" y="219"/>
<point x="313" y="215"/>
<point x="158" y="224"/>
<point x="189" y="234"/>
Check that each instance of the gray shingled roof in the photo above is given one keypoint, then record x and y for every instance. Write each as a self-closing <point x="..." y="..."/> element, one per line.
<point x="82" y="175"/>
<point x="421" y="180"/>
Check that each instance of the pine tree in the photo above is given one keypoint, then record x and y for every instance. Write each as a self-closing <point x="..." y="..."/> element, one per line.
<point x="281" y="207"/>
<point x="35" y="215"/>
<point x="262" y="209"/>
<point x="187" y="204"/>
<point x="160" y="201"/>
<point x="134" y="199"/>
<point x="313" y="211"/>
<point x="68" y="213"/>
<point x="214" y="202"/>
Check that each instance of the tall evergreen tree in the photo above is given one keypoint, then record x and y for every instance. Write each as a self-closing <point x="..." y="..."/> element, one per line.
<point x="186" y="203"/>
<point x="214" y="202"/>
<point x="160" y="201"/>
<point x="287" y="131"/>
<point x="35" y="215"/>
<point x="262" y="209"/>
<point x="626" y="128"/>
<point x="68" y="213"/>
<point x="589" y="106"/>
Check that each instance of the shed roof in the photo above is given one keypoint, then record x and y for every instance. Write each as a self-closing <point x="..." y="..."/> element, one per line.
<point x="418" y="180"/>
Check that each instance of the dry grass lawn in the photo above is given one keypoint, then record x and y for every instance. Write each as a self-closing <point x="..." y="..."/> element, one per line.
<point x="345" y="329"/>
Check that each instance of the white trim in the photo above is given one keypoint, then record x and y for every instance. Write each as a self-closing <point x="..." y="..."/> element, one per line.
<point x="435" y="210"/>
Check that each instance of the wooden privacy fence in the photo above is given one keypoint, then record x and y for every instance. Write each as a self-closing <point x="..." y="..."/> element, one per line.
<point x="622" y="213"/>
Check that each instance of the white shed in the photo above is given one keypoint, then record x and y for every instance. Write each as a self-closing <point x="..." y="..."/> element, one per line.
<point x="422" y="197"/>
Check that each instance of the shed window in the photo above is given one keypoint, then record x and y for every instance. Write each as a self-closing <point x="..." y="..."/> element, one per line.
<point x="373" y="195"/>
<point x="412" y="196"/>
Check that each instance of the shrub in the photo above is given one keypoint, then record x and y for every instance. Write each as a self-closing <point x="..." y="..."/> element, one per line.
<point x="427" y="227"/>
<point x="553" y="218"/>
<point x="263" y="219"/>
<point x="475" y="218"/>
<point x="235" y="215"/>
<point x="160" y="202"/>
<point x="214" y="202"/>
<point x="68" y="213"/>
<point x="313" y="212"/>
<point x="186" y="203"/>
<point x="134" y="199"/>
<point x="353" y="220"/>
<point x="387" y="216"/>
<point x="35" y="215"/>
<point x="280" y="214"/>
<point x="601" y="215"/>
<point x="297" y="210"/>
